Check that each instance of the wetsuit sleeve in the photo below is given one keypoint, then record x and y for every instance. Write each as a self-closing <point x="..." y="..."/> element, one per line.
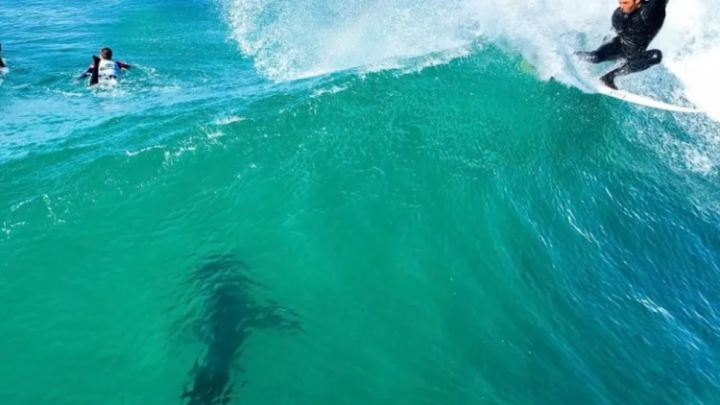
<point x="651" y="7"/>
<point x="87" y="73"/>
<point x="95" y="77"/>
<point x="2" y="64"/>
<point x="123" y="65"/>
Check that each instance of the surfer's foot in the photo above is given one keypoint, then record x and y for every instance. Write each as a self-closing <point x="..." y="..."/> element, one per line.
<point x="609" y="80"/>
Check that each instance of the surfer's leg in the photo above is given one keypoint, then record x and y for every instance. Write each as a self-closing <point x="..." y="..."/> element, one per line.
<point x="636" y="63"/>
<point x="643" y="61"/>
<point x="606" y="52"/>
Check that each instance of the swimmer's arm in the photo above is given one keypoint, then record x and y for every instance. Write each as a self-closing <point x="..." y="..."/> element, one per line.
<point x="123" y="65"/>
<point x="87" y="73"/>
<point x="2" y="64"/>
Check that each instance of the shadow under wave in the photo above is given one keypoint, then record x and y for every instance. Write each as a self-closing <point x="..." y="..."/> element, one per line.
<point x="226" y="317"/>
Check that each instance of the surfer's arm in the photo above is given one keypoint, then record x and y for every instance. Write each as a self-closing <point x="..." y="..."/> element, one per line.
<point x="86" y="73"/>
<point x="650" y="7"/>
<point x="123" y="65"/>
<point x="2" y="64"/>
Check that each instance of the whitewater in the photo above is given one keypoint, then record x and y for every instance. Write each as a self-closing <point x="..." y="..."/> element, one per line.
<point x="292" y="40"/>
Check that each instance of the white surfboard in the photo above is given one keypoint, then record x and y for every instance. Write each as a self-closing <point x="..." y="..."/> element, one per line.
<point x="644" y="101"/>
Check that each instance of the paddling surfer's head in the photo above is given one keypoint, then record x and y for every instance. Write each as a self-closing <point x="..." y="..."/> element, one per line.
<point x="106" y="53"/>
<point x="629" y="6"/>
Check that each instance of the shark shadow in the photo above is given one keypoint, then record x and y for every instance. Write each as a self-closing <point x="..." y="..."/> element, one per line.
<point x="227" y="314"/>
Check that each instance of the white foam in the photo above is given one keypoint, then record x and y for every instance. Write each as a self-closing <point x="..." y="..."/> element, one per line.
<point x="19" y="205"/>
<point x="330" y="90"/>
<point x="653" y="307"/>
<point x="701" y="156"/>
<point x="131" y="153"/>
<point x="699" y="162"/>
<point x="229" y="120"/>
<point x="7" y="227"/>
<point x="405" y="66"/>
<point x="690" y="42"/>
<point x="291" y="40"/>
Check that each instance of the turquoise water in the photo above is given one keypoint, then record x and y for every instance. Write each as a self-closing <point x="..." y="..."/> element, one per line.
<point x="428" y="224"/>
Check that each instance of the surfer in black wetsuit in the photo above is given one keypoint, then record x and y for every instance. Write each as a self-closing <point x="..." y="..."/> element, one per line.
<point x="636" y="22"/>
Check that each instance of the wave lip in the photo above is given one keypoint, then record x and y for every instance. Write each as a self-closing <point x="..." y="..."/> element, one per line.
<point x="292" y="40"/>
<point x="304" y="38"/>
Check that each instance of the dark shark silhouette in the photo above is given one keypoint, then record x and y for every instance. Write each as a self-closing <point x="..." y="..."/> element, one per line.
<point x="228" y="317"/>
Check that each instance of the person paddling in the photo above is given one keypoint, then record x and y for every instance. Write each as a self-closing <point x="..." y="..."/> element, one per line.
<point x="104" y="69"/>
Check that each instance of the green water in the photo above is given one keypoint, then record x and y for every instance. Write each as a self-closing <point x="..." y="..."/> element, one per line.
<point x="464" y="233"/>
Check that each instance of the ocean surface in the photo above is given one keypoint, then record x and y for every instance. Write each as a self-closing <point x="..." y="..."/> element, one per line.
<point x="355" y="202"/>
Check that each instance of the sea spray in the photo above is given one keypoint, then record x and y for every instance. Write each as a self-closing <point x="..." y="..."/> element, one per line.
<point x="291" y="40"/>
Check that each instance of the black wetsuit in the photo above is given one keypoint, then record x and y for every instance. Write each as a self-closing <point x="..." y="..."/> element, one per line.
<point x="635" y="31"/>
